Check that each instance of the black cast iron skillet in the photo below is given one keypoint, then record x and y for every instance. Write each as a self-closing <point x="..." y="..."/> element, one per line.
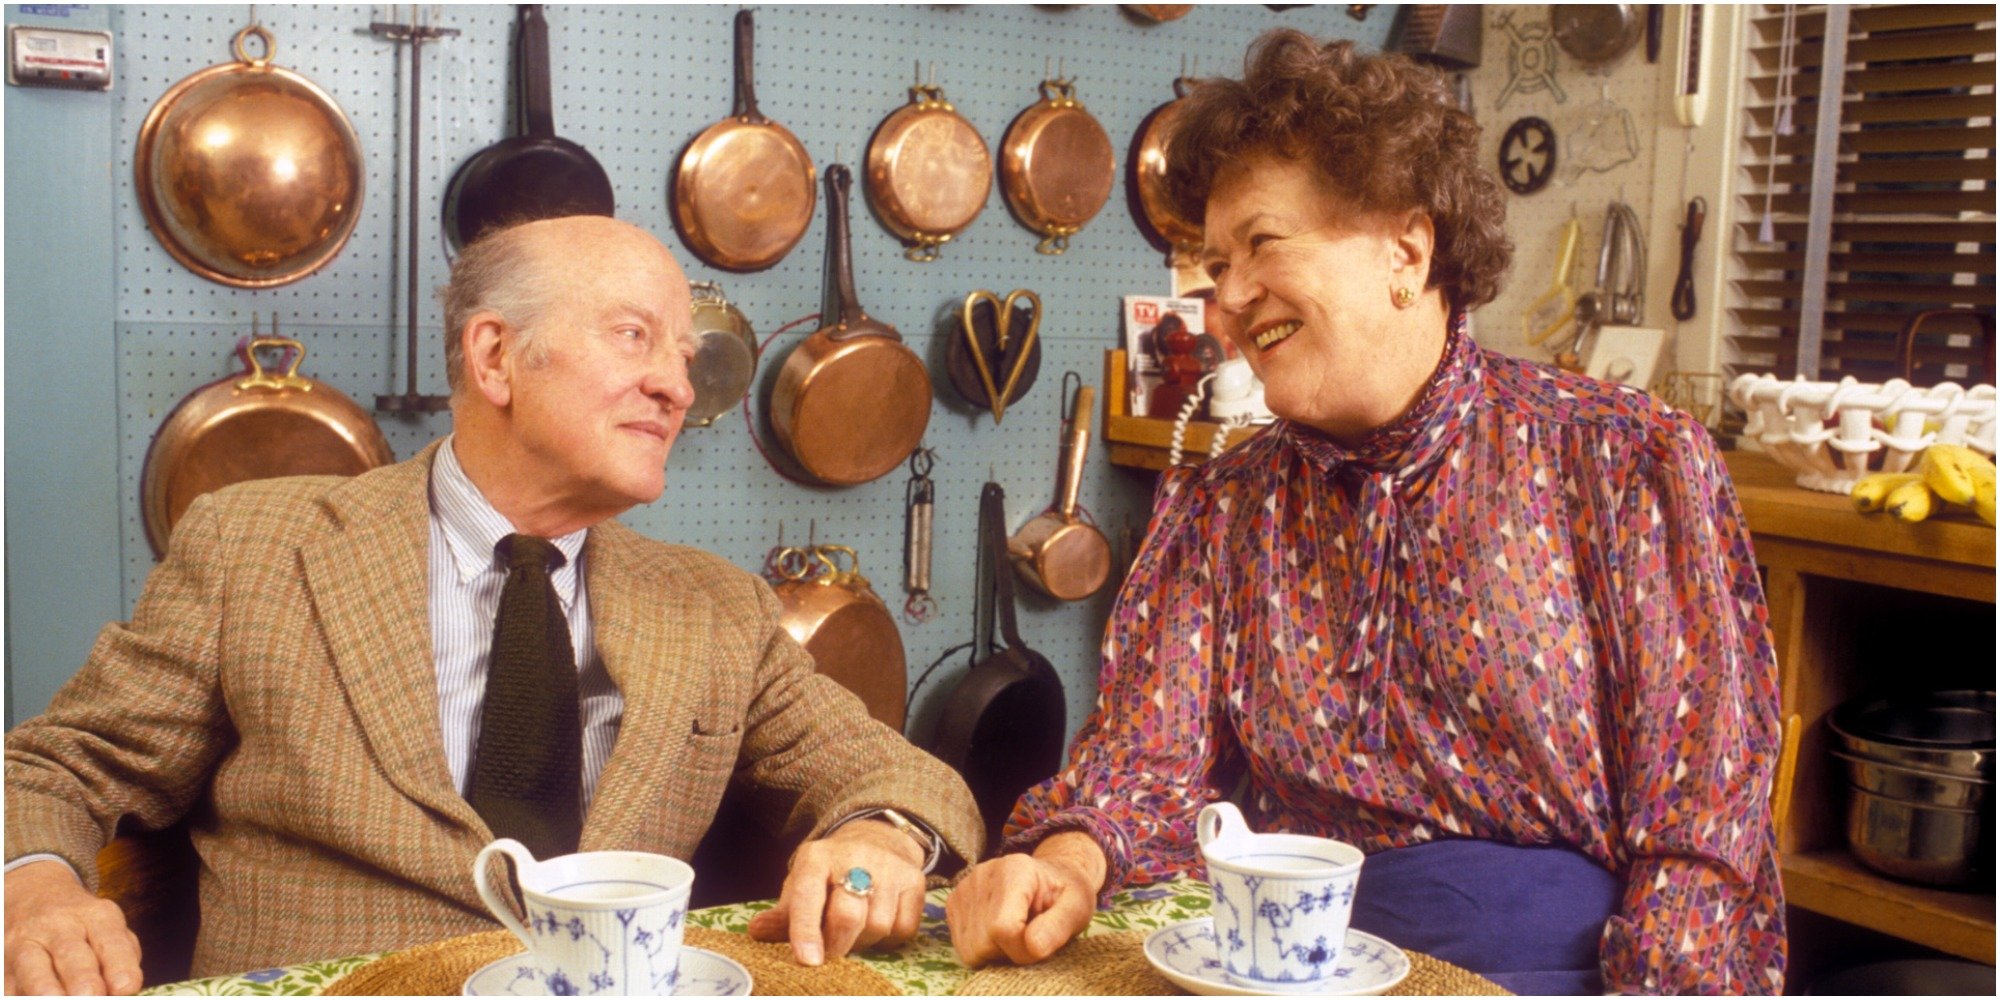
<point x="1002" y="726"/>
<point x="534" y="174"/>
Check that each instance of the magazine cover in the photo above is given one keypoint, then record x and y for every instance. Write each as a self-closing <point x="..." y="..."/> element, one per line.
<point x="1167" y="350"/>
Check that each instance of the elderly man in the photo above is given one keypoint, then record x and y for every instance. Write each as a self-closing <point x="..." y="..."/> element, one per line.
<point x="349" y="686"/>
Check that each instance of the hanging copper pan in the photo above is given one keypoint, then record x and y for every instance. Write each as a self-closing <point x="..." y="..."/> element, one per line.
<point x="853" y="400"/>
<point x="248" y="173"/>
<point x="833" y="612"/>
<point x="253" y="425"/>
<point x="1056" y="166"/>
<point x="928" y="172"/>
<point x="1059" y="553"/>
<point x="743" y="195"/>
<point x="1164" y="226"/>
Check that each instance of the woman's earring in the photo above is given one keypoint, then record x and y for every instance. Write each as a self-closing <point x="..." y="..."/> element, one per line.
<point x="1403" y="296"/>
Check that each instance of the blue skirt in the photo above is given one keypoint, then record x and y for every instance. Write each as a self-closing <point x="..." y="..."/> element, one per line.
<point x="1528" y="918"/>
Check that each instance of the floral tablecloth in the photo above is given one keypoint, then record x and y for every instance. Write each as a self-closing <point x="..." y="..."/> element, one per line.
<point x="926" y="966"/>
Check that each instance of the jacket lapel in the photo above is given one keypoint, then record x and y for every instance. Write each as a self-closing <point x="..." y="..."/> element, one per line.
<point x="370" y="586"/>
<point x="650" y="638"/>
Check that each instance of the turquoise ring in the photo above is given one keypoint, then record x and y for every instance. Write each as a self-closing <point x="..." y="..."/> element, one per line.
<point x="858" y="882"/>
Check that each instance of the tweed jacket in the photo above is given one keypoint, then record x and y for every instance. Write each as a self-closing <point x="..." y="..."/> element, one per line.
<point x="275" y="686"/>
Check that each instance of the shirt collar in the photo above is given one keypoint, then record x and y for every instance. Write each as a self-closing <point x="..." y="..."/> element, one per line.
<point x="472" y="527"/>
<point x="1418" y="437"/>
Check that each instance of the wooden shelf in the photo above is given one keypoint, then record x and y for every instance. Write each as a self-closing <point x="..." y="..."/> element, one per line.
<point x="1833" y="883"/>
<point x="1144" y="442"/>
<point x="1834" y="577"/>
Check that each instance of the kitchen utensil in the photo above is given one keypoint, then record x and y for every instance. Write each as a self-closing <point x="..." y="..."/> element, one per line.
<point x="1596" y="34"/>
<point x="1683" y="300"/>
<point x="416" y="34"/>
<point x="725" y="362"/>
<point x="1448" y="35"/>
<point x="852" y="400"/>
<point x="1057" y="552"/>
<point x="1157" y="13"/>
<point x="1948" y="731"/>
<point x="1002" y="726"/>
<point x="1056" y="166"/>
<point x="920" y="511"/>
<point x="253" y="425"/>
<point x="1282" y="900"/>
<point x="1528" y="155"/>
<point x="1917" y="786"/>
<point x="247" y="173"/>
<point x="535" y="173"/>
<point x="928" y="172"/>
<point x="597" y="922"/>
<point x="994" y="364"/>
<point x="1934" y="845"/>
<point x="832" y="610"/>
<point x="743" y="194"/>
<point x="1146" y="184"/>
<point x="1554" y="309"/>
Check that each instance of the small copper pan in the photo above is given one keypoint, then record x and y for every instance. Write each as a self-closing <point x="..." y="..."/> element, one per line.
<point x="1060" y="554"/>
<point x="852" y="400"/>
<point x="743" y="195"/>
<point x="1164" y="226"/>
<point x="253" y="425"/>
<point x="928" y="172"/>
<point x="833" y="612"/>
<point x="1056" y="166"/>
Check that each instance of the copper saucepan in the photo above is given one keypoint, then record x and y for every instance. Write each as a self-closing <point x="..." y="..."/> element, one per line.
<point x="836" y="615"/>
<point x="852" y="400"/>
<point x="1163" y="224"/>
<point x="1056" y="166"/>
<point x="725" y="362"/>
<point x="743" y="195"/>
<point x="1057" y="552"/>
<point x="928" y="172"/>
<point x="253" y="425"/>
<point x="249" y="174"/>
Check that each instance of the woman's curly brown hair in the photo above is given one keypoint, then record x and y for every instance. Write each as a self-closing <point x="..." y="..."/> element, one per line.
<point x="1382" y="128"/>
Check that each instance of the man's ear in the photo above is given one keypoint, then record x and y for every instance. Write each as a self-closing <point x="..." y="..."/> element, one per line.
<point x="1412" y="243"/>
<point x="489" y="367"/>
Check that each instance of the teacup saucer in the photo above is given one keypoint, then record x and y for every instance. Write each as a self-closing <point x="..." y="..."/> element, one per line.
<point x="703" y="974"/>
<point x="1185" y="954"/>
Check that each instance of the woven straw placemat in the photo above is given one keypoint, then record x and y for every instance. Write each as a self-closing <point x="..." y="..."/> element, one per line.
<point x="441" y="969"/>
<point x="1115" y="965"/>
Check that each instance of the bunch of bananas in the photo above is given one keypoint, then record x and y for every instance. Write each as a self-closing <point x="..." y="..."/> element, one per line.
<point x="1949" y="472"/>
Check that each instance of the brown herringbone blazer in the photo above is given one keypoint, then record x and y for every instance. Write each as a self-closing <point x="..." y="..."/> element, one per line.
<point x="275" y="685"/>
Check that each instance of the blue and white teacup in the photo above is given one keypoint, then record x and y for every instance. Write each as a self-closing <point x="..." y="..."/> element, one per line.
<point x="600" y="923"/>
<point x="1281" y="901"/>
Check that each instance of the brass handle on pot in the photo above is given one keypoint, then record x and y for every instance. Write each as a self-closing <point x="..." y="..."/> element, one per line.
<point x="1079" y="446"/>
<point x="242" y="54"/>
<point x="260" y="379"/>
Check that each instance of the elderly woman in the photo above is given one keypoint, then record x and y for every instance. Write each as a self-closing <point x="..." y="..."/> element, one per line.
<point x="1496" y="624"/>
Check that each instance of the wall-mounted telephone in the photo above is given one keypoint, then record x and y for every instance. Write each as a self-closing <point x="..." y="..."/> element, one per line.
<point x="1691" y="83"/>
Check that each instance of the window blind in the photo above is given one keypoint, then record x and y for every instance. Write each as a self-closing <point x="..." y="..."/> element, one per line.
<point x="1912" y="199"/>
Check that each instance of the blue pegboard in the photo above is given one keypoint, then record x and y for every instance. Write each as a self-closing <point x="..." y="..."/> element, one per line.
<point x="634" y="85"/>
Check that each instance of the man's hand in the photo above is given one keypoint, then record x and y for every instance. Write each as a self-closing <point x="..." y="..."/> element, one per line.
<point x="822" y="919"/>
<point x="1025" y="908"/>
<point x="61" y="939"/>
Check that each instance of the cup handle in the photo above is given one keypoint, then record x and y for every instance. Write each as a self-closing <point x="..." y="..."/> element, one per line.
<point x="497" y="904"/>
<point x="1219" y="823"/>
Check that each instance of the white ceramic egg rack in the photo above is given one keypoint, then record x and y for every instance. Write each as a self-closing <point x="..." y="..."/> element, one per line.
<point x="1833" y="433"/>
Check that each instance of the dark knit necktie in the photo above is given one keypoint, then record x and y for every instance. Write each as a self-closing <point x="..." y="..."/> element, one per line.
<point x="526" y="776"/>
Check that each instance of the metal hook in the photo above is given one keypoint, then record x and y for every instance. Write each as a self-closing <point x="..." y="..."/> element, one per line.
<point x="1069" y="396"/>
<point x="922" y="460"/>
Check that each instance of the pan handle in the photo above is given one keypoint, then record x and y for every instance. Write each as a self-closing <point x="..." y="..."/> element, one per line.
<point x="531" y="54"/>
<point x="993" y="529"/>
<point x="746" y="82"/>
<point x="1079" y="446"/>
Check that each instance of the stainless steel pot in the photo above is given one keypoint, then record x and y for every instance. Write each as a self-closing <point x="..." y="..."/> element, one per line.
<point x="725" y="361"/>
<point x="1928" y="844"/>
<point x="1915" y="785"/>
<point x="1949" y="731"/>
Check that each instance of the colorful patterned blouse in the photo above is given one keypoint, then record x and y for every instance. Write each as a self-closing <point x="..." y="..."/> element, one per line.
<point x="1526" y="612"/>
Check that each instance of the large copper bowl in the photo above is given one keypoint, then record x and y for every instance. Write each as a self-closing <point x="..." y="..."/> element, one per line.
<point x="248" y="173"/>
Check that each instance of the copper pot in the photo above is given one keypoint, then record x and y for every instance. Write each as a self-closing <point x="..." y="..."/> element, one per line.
<point x="1056" y="166"/>
<point x="928" y="172"/>
<point x="249" y="174"/>
<point x="725" y="361"/>
<point x="833" y="612"/>
<point x="1061" y="554"/>
<point x="1162" y="223"/>
<point x="253" y="425"/>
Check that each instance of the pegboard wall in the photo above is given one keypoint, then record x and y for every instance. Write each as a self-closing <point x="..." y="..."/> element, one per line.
<point x="634" y="85"/>
<point x="1604" y="119"/>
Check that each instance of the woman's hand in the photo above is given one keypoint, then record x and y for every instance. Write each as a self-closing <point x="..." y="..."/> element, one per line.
<point x="822" y="919"/>
<point x="1024" y="908"/>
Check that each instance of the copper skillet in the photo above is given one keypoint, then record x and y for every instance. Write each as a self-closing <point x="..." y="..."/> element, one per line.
<point x="253" y="425"/>
<point x="1163" y="225"/>
<point x="1056" y="166"/>
<point x="852" y="400"/>
<point x="928" y="172"/>
<point x="743" y="195"/>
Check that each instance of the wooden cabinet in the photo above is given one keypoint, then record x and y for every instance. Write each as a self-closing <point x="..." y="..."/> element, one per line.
<point x="1864" y="605"/>
<point x="1145" y="442"/>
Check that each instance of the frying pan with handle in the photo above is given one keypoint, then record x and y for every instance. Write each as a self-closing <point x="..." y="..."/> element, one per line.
<point x="1002" y="726"/>
<point x="534" y="174"/>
